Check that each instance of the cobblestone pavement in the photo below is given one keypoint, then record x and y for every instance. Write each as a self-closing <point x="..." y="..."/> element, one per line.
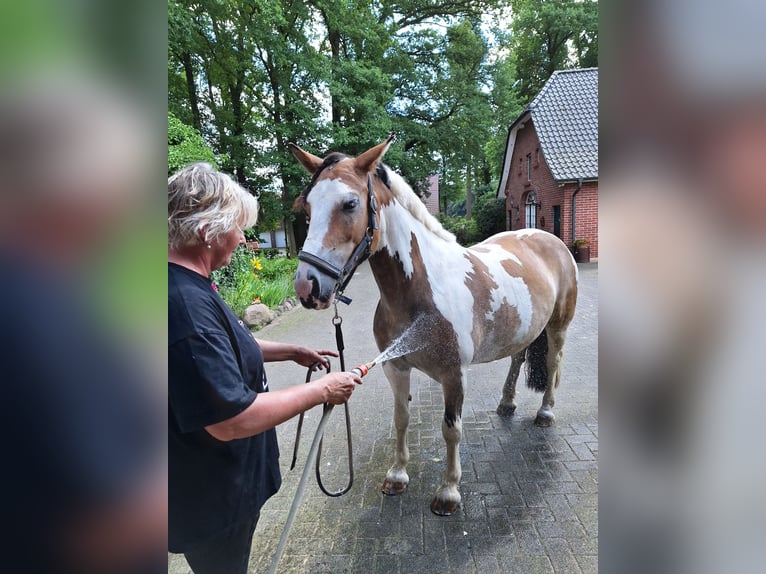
<point x="529" y="494"/>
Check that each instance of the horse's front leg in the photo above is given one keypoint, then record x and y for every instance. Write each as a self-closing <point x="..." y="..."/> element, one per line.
<point x="447" y="499"/>
<point x="397" y="477"/>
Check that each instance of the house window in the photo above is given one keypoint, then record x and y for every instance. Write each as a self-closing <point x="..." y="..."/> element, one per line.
<point x="531" y="206"/>
<point x="529" y="167"/>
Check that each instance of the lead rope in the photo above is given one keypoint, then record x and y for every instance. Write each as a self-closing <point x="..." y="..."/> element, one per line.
<point x="316" y="450"/>
<point x="338" y="321"/>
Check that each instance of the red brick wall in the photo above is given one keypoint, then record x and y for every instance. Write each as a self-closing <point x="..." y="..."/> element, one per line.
<point x="432" y="201"/>
<point x="549" y="193"/>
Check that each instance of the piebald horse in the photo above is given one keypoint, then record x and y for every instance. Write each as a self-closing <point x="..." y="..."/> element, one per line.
<point x="511" y="295"/>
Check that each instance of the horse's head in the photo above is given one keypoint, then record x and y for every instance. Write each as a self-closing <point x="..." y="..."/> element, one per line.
<point x="342" y="219"/>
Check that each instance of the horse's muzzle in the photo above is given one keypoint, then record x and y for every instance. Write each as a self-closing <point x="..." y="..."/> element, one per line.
<point x="314" y="289"/>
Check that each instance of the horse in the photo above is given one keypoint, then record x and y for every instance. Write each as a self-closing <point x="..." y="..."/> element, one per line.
<point x="513" y="295"/>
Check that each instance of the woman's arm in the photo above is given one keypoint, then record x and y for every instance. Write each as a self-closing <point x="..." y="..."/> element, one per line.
<point x="275" y="407"/>
<point x="274" y="351"/>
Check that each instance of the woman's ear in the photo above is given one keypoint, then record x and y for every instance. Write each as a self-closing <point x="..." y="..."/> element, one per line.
<point x="202" y="233"/>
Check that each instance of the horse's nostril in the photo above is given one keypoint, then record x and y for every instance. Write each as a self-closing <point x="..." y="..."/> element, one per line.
<point x="314" y="279"/>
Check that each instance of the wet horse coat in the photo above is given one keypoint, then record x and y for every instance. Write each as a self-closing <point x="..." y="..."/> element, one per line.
<point x="511" y="295"/>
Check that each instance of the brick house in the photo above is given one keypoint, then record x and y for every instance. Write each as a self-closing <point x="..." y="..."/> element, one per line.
<point x="550" y="166"/>
<point x="432" y="200"/>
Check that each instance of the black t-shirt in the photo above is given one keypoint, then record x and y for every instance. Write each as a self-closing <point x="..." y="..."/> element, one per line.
<point x="215" y="371"/>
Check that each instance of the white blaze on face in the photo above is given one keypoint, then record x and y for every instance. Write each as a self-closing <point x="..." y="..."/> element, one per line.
<point x="323" y="200"/>
<point x="447" y="270"/>
<point x="510" y="290"/>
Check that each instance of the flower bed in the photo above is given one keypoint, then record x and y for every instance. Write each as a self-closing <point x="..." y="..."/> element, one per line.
<point x="252" y="278"/>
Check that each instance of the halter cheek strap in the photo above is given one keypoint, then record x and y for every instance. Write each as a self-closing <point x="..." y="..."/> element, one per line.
<point x="359" y="256"/>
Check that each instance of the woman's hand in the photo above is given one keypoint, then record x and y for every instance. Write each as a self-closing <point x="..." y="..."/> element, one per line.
<point x="312" y="358"/>
<point x="338" y="386"/>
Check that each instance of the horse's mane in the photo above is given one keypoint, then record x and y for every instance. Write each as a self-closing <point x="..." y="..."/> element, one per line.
<point x="409" y="200"/>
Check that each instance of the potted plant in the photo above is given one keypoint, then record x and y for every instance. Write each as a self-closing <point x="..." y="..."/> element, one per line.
<point x="581" y="250"/>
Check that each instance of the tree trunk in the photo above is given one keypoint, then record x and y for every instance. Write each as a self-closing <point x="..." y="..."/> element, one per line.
<point x="192" y="89"/>
<point x="238" y="134"/>
<point x="468" y="193"/>
<point x="334" y="37"/>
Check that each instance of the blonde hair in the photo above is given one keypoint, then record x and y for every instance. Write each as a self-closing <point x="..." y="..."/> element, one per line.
<point x="202" y="198"/>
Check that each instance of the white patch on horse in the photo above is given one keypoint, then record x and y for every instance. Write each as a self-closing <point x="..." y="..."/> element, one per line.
<point x="397" y="235"/>
<point x="445" y="265"/>
<point x="506" y="285"/>
<point x="322" y="202"/>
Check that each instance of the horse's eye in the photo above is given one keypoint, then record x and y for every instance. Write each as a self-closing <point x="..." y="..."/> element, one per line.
<point x="350" y="205"/>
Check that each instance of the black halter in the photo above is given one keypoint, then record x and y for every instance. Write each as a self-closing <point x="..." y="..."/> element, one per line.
<point x="359" y="256"/>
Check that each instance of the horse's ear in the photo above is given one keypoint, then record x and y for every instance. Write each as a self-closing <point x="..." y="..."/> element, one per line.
<point x="369" y="160"/>
<point x="307" y="160"/>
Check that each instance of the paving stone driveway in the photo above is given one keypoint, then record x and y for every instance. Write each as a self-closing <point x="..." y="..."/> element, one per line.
<point x="530" y="495"/>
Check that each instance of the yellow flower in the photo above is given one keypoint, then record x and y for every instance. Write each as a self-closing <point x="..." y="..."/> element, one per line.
<point x="256" y="261"/>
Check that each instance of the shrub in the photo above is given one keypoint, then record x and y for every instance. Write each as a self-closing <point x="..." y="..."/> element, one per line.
<point x="489" y="215"/>
<point x="251" y="278"/>
<point x="278" y="267"/>
<point x="465" y="230"/>
<point x="186" y="145"/>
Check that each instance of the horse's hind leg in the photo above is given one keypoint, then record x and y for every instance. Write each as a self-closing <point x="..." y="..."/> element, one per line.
<point x="556" y="339"/>
<point x="507" y="404"/>
<point x="447" y="499"/>
<point x="397" y="478"/>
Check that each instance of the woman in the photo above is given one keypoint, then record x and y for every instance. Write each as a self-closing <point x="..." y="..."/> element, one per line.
<point x="222" y="444"/>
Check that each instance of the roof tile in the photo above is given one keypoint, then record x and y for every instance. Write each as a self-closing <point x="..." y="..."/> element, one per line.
<point x="565" y="115"/>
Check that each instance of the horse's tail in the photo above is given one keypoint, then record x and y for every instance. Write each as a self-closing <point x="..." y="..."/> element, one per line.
<point x="537" y="363"/>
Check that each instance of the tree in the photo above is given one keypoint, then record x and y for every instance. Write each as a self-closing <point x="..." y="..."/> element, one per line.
<point x="253" y="75"/>
<point x="186" y="145"/>
<point x="256" y="77"/>
<point x="550" y="36"/>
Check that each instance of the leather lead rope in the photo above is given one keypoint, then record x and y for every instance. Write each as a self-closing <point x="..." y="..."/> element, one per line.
<point x="315" y="451"/>
<point x="337" y="321"/>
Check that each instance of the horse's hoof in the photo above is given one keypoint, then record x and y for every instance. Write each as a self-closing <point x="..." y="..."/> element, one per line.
<point x="393" y="488"/>
<point x="506" y="410"/>
<point x="545" y="419"/>
<point x="444" y="507"/>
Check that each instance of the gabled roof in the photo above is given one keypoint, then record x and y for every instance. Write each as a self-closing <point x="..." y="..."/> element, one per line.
<point x="565" y="116"/>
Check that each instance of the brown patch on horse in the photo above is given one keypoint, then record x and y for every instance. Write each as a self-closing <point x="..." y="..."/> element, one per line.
<point x="506" y="317"/>
<point x="403" y="300"/>
<point x="481" y="284"/>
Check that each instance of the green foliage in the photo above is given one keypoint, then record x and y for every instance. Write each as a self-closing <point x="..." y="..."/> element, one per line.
<point x="253" y="75"/>
<point x="465" y="230"/>
<point x="278" y="267"/>
<point x="185" y="145"/>
<point x="272" y="293"/>
<point x="544" y="32"/>
<point x="489" y="214"/>
<point x="250" y="277"/>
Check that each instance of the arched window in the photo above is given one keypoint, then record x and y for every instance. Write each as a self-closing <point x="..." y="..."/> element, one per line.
<point x="531" y="206"/>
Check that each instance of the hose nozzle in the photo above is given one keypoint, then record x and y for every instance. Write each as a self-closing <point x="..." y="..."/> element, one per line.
<point x="362" y="370"/>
